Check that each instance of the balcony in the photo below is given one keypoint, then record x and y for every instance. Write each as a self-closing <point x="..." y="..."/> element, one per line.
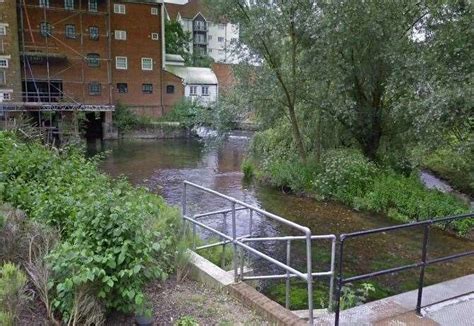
<point x="200" y="27"/>
<point x="200" y="41"/>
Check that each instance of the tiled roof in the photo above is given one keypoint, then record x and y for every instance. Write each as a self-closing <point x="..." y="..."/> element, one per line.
<point x="189" y="10"/>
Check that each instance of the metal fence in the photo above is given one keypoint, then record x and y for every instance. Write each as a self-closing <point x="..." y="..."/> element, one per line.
<point x="421" y="264"/>
<point x="241" y="243"/>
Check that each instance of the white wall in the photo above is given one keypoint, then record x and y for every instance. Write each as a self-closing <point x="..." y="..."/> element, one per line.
<point x="219" y="51"/>
<point x="205" y="100"/>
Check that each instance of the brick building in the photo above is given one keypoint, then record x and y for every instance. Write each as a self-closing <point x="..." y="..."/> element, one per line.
<point x="10" y="80"/>
<point x="89" y="55"/>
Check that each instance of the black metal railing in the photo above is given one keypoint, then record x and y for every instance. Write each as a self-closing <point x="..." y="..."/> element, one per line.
<point x="421" y="264"/>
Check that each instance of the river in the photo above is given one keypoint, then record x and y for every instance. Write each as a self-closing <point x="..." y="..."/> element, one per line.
<point x="162" y="165"/>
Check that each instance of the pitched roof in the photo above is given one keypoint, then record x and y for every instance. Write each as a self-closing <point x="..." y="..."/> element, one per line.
<point x="193" y="75"/>
<point x="188" y="10"/>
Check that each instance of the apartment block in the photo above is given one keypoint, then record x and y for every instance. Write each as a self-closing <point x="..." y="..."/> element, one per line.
<point x="10" y="80"/>
<point x="216" y="38"/>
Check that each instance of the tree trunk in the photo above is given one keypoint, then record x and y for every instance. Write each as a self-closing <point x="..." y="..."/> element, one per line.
<point x="297" y="135"/>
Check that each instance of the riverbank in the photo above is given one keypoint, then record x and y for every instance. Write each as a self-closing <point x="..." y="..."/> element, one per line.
<point x="348" y="177"/>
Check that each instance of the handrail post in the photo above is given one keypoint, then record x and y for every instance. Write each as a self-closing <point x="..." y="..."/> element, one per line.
<point x="309" y="276"/>
<point x="183" y="201"/>
<point x="287" y="288"/>
<point x="251" y="222"/>
<point x="234" y="242"/>
<point x="422" y="270"/>
<point x="331" y="281"/>
<point x="223" y="245"/>
<point x="339" y="281"/>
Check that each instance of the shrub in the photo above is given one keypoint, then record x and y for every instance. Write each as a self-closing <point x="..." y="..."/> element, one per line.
<point x="186" y="321"/>
<point x="12" y="293"/>
<point x="248" y="169"/>
<point x="344" y="175"/>
<point x="124" y="118"/>
<point x="114" y="237"/>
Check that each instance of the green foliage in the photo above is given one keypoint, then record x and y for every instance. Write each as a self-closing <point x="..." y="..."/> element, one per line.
<point x="345" y="174"/>
<point x="12" y="293"/>
<point x="124" y="118"/>
<point x="351" y="297"/>
<point x="248" y="169"/>
<point x="186" y="321"/>
<point x="177" y="40"/>
<point x="348" y="176"/>
<point x="114" y="237"/>
<point x="214" y="254"/>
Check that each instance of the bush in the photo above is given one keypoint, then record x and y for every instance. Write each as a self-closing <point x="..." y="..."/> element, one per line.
<point x="344" y="175"/>
<point x="12" y="293"/>
<point x="114" y="237"/>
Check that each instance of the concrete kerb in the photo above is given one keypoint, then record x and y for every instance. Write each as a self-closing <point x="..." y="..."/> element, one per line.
<point x="202" y="270"/>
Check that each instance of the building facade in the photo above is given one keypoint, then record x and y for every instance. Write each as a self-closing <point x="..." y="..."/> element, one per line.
<point x="215" y="38"/>
<point x="10" y="80"/>
<point x="94" y="52"/>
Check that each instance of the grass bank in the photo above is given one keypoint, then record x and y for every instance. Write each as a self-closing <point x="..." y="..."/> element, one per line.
<point x="347" y="176"/>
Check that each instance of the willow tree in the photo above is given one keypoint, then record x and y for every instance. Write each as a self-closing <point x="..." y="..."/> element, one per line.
<point x="272" y="43"/>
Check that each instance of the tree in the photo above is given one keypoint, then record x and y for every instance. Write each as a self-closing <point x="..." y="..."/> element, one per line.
<point x="177" y="40"/>
<point x="272" y="37"/>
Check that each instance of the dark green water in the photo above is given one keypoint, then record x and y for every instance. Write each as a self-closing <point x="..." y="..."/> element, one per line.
<point x="162" y="165"/>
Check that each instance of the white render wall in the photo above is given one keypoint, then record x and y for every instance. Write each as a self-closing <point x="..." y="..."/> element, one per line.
<point x="205" y="100"/>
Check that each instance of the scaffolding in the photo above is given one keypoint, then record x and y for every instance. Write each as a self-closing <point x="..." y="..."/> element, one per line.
<point x="53" y="70"/>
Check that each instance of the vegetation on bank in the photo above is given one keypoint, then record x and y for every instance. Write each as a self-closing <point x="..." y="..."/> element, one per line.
<point x="346" y="175"/>
<point x="89" y="243"/>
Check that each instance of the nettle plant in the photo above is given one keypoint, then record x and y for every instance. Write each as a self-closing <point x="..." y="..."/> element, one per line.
<point x="114" y="237"/>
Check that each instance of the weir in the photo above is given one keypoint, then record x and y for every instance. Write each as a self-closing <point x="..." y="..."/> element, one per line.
<point x="243" y="244"/>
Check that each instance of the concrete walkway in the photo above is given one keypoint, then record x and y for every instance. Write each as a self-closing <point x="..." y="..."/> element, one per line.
<point x="448" y="303"/>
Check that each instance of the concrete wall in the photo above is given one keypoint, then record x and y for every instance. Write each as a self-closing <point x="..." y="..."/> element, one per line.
<point x="205" y="100"/>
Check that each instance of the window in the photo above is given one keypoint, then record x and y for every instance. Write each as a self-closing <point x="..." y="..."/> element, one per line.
<point x="3" y="78"/>
<point x="69" y="4"/>
<point x="119" y="9"/>
<point x="221" y="52"/>
<point x="147" y="64"/>
<point x="44" y="3"/>
<point x="209" y="50"/>
<point x="209" y="37"/>
<point x="121" y="35"/>
<point x="221" y="26"/>
<point x="95" y="88"/>
<point x="170" y="89"/>
<point x="7" y="96"/>
<point x="94" y="33"/>
<point x="147" y="88"/>
<point x="220" y="39"/>
<point x="193" y="90"/>
<point x="122" y="87"/>
<point x="121" y="63"/>
<point x="93" y="60"/>
<point x="3" y="63"/>
<point x="3" y="29"/>
<point x="46" y="29"/>
<point x="70" y="31"/>
<point x="93" y="5"/>
<point x="154" y="11"/>
<point x="205" y="90"/>
<point x="155" y="36"/>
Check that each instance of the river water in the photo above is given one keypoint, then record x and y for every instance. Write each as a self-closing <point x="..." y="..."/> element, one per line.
<point x="162" y="165"/>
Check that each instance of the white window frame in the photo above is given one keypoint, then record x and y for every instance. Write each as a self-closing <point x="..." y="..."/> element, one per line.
<point x="3" y="63"/>
<point x="93" y="8"/>
<point x="43" y="3"/>
<point x="191" y="92"/>
<point x="117" y="66"/>
<point x="155" y="36"/>
<point x="220" y="39"/>
<point x="205" y="93"/>
<point x="145" y="62"/>
<point x="69" y="4"/>
<point x="120" y="35"/>
<point x="7" y="96"/>
<point x="120" y="9"/>
<point x="3" y="29"/>
<point x="154" y="11"/>
<point x="221" y="26"/>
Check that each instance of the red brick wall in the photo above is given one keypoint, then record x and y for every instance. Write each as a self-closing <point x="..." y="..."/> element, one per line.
<point x="169" y="100"/>
<point x="225" y="75"/>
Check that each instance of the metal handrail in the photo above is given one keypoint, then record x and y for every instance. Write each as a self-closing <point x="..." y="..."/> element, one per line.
<point x="421" y="264"/>
<point x="239" y="243"/>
